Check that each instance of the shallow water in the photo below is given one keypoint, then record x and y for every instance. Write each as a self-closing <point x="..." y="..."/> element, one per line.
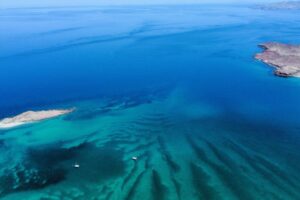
<point x="175" y="86"/>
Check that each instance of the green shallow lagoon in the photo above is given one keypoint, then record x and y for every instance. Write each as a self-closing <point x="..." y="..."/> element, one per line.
<point x="182" y="154"/>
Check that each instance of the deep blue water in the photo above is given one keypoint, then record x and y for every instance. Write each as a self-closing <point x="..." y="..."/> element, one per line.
<point x="196" y="61"/>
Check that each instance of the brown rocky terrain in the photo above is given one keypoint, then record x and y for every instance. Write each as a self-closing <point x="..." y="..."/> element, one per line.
<point x="284" y="57"/>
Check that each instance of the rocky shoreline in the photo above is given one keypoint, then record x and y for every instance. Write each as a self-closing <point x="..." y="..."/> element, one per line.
<point x="284" y="57"/>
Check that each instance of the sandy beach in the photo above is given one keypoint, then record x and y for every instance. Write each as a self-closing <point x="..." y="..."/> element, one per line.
<point x="32" y="116"/>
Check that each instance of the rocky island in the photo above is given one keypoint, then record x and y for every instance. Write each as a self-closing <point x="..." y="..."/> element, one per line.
<point x="32" y="116"/>
<point x="284" y="5"/>
<point x="284" y="57"/>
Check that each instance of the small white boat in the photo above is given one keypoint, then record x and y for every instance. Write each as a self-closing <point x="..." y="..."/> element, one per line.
<point x="76" y="165"/>
<point x="134" y="158"/>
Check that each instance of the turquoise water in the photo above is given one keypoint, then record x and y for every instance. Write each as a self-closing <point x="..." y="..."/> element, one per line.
<point x="175" y="86"/>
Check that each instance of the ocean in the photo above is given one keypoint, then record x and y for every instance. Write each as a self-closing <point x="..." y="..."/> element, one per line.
<point x="176" y="86"/>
